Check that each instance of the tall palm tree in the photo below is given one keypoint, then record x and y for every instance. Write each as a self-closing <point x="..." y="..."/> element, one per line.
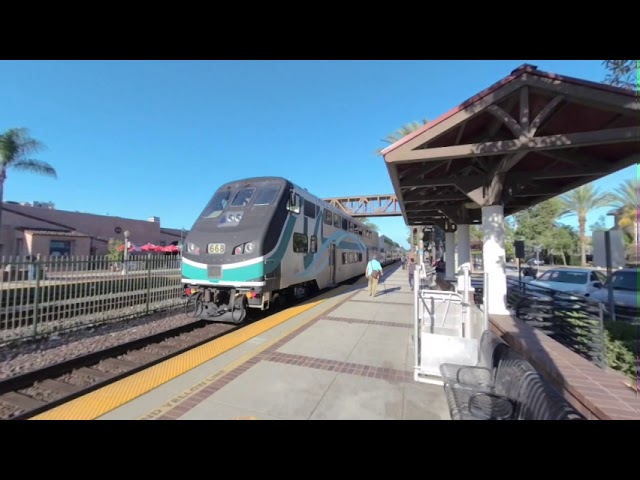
<point x="625" y="198"/>
<point x="16" y="147"/>
<point x="402" y="132"/>
<point x="580" y="202"/>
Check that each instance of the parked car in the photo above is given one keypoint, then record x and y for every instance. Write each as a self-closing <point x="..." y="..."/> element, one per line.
<point x="579" y="281"/>
<point x="626" y="291"/>
<point x="532" y="262"/>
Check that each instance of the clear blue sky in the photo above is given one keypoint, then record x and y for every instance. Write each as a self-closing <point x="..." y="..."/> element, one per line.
<point x="156" y="138"/>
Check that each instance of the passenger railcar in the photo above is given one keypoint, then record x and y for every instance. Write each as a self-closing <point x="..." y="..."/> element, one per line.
<point x="260" y="241"/>
<point x="388" y="251"/>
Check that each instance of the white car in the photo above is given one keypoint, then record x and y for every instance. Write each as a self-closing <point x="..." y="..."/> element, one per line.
<point x="625" y="286"/>
<point x="579" y="281"/>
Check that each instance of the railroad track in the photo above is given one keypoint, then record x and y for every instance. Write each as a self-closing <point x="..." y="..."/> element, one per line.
<point x="29" y="394"/>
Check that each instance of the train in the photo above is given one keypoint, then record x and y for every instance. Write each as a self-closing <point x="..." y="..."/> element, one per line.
<point x="262" y="241"/>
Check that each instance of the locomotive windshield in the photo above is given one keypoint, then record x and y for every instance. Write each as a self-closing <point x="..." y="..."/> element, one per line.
<point x="218" y="203"/>
<point x="266" y="195"/>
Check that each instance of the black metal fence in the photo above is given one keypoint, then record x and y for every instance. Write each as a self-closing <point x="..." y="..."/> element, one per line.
<point x="572" y="320"/>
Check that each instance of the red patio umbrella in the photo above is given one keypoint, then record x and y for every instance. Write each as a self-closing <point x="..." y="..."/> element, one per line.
<point x="148" y="247"/>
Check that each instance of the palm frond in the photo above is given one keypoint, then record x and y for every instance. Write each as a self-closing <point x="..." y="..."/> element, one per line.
<point x="35" y="166"/>
<point x="16" y="145"/>
<point x="402" y="132"/>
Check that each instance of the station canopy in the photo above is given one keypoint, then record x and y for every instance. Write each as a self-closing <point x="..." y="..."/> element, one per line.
<point x="531" y="136"/>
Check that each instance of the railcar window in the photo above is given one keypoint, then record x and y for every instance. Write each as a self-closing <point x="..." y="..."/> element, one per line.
<point x="266" y="195"/>
<point x="314" y="244"/>
<point x="300" y="243"/>
<point x="216" y="206"/>
<point x="336" y="220"/>
<point x="328" y="217"/>
<point x="345" y="224"/>
<point x="309" y="209"/>
<point x="243" y="197"/>
<point x="360" y="256"/>
<point x="344" y="258"/>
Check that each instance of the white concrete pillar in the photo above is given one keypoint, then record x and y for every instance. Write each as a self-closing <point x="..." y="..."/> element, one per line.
<point x="449" y="255"/>
<point x="493" y="255"/>
<point x="464" y="245"/>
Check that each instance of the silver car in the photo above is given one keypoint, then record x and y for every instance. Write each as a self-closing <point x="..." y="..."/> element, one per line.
<point x="625" y="289"/>
<point x="579" y="281"/>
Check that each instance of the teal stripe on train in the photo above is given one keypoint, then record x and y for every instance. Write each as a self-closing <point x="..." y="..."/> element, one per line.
<point x="241" y="274"/>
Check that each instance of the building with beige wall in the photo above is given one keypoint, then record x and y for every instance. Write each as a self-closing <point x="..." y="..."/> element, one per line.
<point x="45" y="231"/>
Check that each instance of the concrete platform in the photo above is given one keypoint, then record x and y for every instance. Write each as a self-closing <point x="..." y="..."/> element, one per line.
<point x="351" y="357"/>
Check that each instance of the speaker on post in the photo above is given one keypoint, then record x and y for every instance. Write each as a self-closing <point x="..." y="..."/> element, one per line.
<point x="519" y="245"/>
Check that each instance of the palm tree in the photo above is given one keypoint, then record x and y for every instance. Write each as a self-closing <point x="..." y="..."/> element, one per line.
<point x="402" y="132"/>
<point x="626" y="200"/>
<point x="16" y="146"/>
<point x="580" y="202"/>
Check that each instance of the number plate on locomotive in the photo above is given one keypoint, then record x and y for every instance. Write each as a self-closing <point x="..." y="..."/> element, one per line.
<point x="215" y="248"/>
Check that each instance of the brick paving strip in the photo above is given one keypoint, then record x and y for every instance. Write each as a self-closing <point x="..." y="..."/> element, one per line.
<point x="272" y="355"/>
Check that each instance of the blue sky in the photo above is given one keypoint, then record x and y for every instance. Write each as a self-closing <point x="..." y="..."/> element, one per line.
<point x="156" y="138"/>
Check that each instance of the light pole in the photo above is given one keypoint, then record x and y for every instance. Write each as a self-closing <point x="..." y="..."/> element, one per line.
<point x="126" y="249"/>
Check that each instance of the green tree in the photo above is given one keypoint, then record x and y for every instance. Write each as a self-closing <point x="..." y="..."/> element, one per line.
<point x="560" y="240"/>
<point x="599" y="226"/>
<point x="532" y="224"/>
<point x="622" y="73"/>
<point x="369" y="224"/>
<point x="401" y="132"/>
<point x="113" y="253"/>
<point x="16" y="148"/>
<point x="580" y="202"/>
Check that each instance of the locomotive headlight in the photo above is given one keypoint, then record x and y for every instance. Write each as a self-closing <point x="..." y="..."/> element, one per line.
<point x="232" y="217"/>
<point x="248" y="247"/>
<point x="191" y="247"/>
<point x="238" y="217"/>
<point x="238" y="250"/>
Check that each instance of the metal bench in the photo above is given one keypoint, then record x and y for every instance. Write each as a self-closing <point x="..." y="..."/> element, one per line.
<point x="518" y="393"/>
<point x="491" y="348"/>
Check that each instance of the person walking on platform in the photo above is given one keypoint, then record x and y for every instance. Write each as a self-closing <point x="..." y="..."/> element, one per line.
<point x="412" y="268"/>
<point x="373" y="273"/>
<point x="404" y="262"/>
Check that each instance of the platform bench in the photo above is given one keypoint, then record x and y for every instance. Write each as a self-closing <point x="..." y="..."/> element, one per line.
<point x="510" y="390"/>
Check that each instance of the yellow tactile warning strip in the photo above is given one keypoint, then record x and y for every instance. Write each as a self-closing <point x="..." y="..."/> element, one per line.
<point x="187" y="394"/>
<point x="103" y="400"/>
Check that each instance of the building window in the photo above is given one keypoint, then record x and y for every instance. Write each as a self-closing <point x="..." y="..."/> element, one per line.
<point x="60" y="248"/>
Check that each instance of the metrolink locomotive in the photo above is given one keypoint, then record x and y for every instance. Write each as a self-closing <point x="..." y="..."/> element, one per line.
<point x="262" y="241"/>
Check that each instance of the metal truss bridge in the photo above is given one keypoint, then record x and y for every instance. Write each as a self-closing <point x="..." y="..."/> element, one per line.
<point x="368" y="205"/>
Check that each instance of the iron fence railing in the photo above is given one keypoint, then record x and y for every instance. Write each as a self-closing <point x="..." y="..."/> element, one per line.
<point x="573" y="320"/>
<point x="47" y="295"/>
